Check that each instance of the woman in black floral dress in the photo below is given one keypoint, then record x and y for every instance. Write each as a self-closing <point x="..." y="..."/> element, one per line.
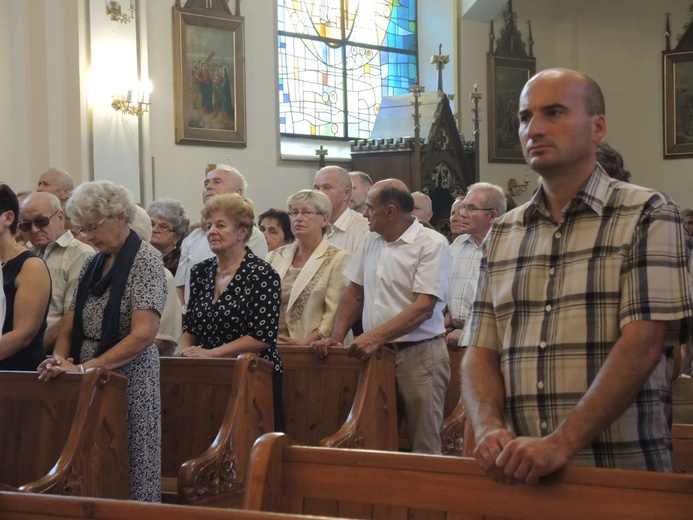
<point x="234" y="296"/>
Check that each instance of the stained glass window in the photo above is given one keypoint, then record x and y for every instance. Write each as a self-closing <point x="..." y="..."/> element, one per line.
<point x="338" y="59"/>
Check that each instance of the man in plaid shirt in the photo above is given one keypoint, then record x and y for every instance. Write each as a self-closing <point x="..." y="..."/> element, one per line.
<point x="583" y="292"/>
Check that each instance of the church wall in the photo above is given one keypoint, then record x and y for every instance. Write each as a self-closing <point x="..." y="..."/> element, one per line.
<point x="618" y="43"/>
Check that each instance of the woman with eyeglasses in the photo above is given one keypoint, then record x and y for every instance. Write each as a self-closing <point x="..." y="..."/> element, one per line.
<point x="234" y="296"/>
<point x="114" y="319"/>
<point x="169" y="228"/>
<point x="27" y="288"/>
<point x="311" y="270"/>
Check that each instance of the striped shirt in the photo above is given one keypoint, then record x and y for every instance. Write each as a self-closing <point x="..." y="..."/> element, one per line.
<point x="552" y="299"/>
<point x="466" y="257"/>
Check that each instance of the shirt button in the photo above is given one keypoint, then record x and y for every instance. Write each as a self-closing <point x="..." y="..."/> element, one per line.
<point x="544" y="425"/>
<point x="552" y="270"/>
<point x="540" y="385"/>
<point x="542" y="345"/>
<point x="548" y="308"/>
<point x="558" y="234"/>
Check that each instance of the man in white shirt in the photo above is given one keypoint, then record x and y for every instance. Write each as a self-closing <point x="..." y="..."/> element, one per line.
<point x="349" y="229"/>
<point x="423" y="207"/>
<point x="195" y="248"/>
<point x="399" y="284"/>
<point x="42" y="217"/>
<point x="361" y="182"/>
<point x="471" y="218"/>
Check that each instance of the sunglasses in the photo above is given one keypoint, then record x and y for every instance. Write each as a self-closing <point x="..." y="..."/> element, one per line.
<point x="39" y="222"/>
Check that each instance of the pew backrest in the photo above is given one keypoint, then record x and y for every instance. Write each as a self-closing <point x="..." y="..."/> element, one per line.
<point x="213" y="411"/>
<point x="340" y="401"/>
<point x="23" y="506"/>
<point x="366" y="484"/>
<point x="65" y="436"/>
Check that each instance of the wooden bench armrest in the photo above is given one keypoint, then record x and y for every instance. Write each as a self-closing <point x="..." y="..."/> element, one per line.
<point x="372" y="421"/>
<point x="218" y="474"/>
<point x="68" y="475"/>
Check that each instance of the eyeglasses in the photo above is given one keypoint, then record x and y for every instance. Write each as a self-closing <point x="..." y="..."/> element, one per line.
<point x="471" y="209"/>
<point x="40" y="222"/>
<point x="91" y="227"/>
<point x="161" y="226"/>
<point x="304" y="213"/>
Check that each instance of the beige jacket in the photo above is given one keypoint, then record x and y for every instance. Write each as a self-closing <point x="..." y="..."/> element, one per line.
<point x="315" y="294"/>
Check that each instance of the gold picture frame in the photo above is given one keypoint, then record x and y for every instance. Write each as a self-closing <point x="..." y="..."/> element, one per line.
<point x="678" y="104"/>
<point x="209" y="78"/>
<point x="506" y="78"/>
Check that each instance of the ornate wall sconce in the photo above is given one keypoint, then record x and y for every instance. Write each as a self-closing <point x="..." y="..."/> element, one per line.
<point x="115" y="11"/>
<point x="515" y="188"/>
<point x="134" y="104"/>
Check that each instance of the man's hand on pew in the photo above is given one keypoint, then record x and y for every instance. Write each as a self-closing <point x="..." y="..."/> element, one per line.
<point x="526" y="459"/>
<point x="320" y="348"/>
<point x="365" y="345"/>
<point x="489" y="448"/>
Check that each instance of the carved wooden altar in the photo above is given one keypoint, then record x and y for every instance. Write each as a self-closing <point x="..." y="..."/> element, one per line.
<point x="446" y="166"/>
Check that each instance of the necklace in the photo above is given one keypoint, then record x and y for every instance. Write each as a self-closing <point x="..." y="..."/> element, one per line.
<point x="11" y="255"/>
<point x="230" y="271"/>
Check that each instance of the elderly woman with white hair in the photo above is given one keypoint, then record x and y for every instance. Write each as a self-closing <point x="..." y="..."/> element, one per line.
<point x="169" y="227"/>
<point x="311" y="269"/>
<point x="114" y="319"/>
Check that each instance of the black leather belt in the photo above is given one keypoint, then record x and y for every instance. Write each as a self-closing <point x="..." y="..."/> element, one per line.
<point x="401" y="345"/>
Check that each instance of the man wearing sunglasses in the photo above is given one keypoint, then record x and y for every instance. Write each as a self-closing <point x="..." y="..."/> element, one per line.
<point x="42" y="218"/>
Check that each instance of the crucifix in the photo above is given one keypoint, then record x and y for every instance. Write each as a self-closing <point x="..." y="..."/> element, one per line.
<point x="440" y="60"/>
<point x="321" y="153"/>
<point x="417" y="90"/>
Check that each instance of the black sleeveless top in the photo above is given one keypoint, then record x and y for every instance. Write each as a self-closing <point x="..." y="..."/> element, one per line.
<point x="30" y="356"/>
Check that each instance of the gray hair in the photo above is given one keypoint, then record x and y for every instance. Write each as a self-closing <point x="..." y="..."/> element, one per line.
<point x="365" y="178"/>
<point x="236" y="176"/>
<point x="142" y="224"/>
<point x="342" y="175"/>
<point x="103" y="197"/>
<point x="62" y="178"/>
<point x="53" y="201"/>
<point x="494" y="196"/>
<point x="316" y="198"/>
<point x="172" y="211"/>
<point x="422" y="194"/>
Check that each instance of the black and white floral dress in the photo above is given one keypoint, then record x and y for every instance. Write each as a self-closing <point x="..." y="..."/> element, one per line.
<point x="145" y="290"/>
<point x="249" y="306"/>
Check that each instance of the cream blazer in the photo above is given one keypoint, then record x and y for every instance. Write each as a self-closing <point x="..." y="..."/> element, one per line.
<point x="315" y="294"/>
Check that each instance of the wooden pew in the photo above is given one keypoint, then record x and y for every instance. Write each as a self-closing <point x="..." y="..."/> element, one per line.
<point x="454" y="428"/>
<point x="366" y="484"/>
<point x="340" y="401"/>
<point x="682" y="440"/>
<point x="213" y="410"/>
<point x="22" y="506"/>
<point x="67" y="436"/>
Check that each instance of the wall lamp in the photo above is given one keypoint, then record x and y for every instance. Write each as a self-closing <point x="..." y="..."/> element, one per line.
<point x="515" y="188"/>
<point x="135" y="103"/>
<point x="114" y="10"/>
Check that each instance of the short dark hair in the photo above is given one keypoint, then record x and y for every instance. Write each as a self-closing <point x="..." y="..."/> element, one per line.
<point x="397" y="196"/>
<point x="280" y="216"/>
<point x="9" y="202"/>
<point x="594" y="98"/>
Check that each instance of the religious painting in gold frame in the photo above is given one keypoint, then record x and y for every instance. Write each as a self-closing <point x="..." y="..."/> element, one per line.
<point x="506" y="77"/>
<point x="209" y="78"/>
<point x="678" y="104"/>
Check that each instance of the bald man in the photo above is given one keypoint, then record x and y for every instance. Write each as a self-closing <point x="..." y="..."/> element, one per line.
<point x="195" y="247"/>
<point x="57" y="182"/>
<point x="399" y="284"/>
<point x="361" y="182"/>
<point x="348" y="229"/>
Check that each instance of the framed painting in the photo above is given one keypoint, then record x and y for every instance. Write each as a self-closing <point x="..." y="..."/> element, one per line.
<point x="506" y="77"/>
<point x="678" y="104"/>
<point x="209" y="78"/>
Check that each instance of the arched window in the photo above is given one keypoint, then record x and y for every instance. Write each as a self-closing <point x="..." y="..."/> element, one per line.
<point x="338" y="59"/>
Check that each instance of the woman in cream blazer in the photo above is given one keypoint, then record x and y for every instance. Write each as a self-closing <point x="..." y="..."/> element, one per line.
<point x="312" y="272"/>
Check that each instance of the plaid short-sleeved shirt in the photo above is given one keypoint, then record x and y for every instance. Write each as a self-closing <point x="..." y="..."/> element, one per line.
<point x="552" y="299"/>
